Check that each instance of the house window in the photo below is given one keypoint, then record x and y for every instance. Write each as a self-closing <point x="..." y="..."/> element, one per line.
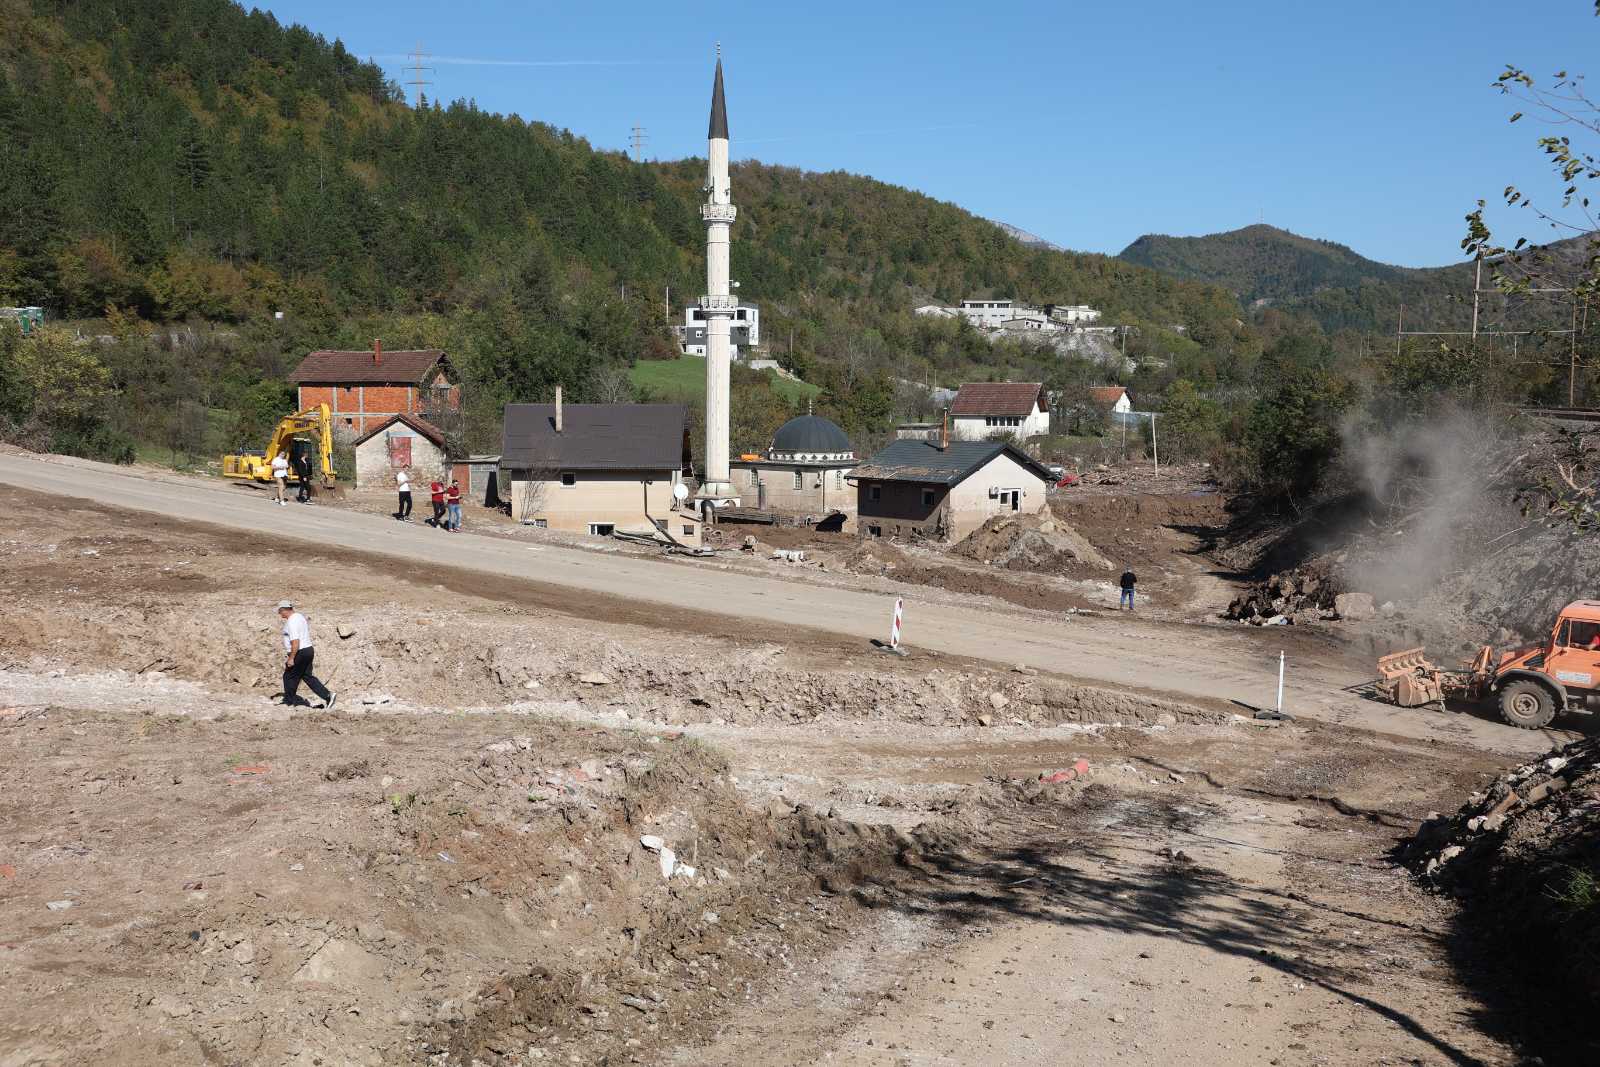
<point x="927" y="498"/>
<point x="799" y="480"/>
<point x="602" y="529"/>
<point x="688" y="531"/>
<point x="568" y="478"/>
<point x="542" y="524"/>
<point x="875" y="493"/>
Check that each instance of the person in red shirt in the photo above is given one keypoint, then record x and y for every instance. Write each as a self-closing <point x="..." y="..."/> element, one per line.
<point x="452" y="498"/>
<point x="436" y="490"/>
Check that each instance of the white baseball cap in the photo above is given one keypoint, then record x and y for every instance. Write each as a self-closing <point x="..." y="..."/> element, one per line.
<point x="285" y="604"/>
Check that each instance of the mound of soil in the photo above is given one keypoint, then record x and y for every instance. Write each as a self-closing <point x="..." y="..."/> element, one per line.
<point x="1523" y="857"/>
<point x="1041" y="545"/>
<point x="880" y="559"/>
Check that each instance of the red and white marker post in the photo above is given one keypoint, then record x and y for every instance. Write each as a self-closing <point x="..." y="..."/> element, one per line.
<point x="894" y="627"/>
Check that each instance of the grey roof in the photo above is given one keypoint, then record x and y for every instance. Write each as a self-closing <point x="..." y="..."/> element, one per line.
<point x="810" y="433"/>
<point x="926" y="463"/>
<point x="719" y="108"/>
<point x="595" y="437"/>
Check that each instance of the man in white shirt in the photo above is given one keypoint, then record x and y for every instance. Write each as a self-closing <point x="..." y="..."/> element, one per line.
<point x="402" y="482"/>
<point x="298" y="655"/>
<point x="280" y="474"/>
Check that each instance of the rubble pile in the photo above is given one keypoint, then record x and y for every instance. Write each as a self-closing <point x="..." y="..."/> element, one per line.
<point x="1523" y="858"/>
<point x="1044" y="545"/>
<point x="1300" y="595"/>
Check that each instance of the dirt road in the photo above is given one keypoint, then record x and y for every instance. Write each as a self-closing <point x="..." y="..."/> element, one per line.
<point x="1219" y="666"/>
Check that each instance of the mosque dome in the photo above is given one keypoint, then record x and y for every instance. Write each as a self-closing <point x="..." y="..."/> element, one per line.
<point x="812" y="437"/>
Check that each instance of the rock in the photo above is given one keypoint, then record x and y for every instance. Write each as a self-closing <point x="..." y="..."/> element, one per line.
<point x="1388" y="609"/>
<point x="96" y="787"/>
<point x="638" y="1004"/>
<point x="371" y="931"/>
<point x="595" y="678"/>
<point x="1555" y="763"/>
<point x="345" y="631"/>
<point x="999" y="701"/>
<point x="1450" y="853"/>
<point x="531" y="684"/>
<point x="376" y="699"/>
<point x="340" y="961"/>
<point x="171" y="1006"/>
<point x="58" y="905"/>
<point x="1355" y="606"/>
<point x="244" y="953"/>
<point x="985" y="720"/>
<point x="1176" y="777"/>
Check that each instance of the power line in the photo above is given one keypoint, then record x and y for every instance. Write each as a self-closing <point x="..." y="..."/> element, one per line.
<point x="638" y="141"/>
<point x="415" y="69"/>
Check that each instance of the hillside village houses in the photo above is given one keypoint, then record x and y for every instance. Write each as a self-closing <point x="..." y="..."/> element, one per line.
<point x="1013" y="316"/>
<point x="599" y="468"/>
<point x="945" y="489"/>
<point x="365" y="388"/>
<point x="984" y="410"/>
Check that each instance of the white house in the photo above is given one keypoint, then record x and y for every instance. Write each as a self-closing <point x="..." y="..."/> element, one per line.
<point x="1111" y="399"/>
<point x="981" y="410"/>
<point x="945" y="490"/>
<point x="1074" y="314"/>
<point x="745" y="331"/>
<point x="1013" y="316"/>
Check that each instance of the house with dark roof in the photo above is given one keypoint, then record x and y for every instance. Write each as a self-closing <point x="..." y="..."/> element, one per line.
<point x="367" y="387"/>
<point x="802" y="474"/>
<point x="407" y="443"/>
<point x="983" y="411"/>
<point x="599" y="468"/>
<point x="945" y="491"/>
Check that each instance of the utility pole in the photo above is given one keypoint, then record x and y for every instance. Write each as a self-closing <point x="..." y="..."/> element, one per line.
<point x="638" y="142"/>
<point x="415" y="69"/>
<point x="1572" y="358"/>
<point x="1399" y="325"/>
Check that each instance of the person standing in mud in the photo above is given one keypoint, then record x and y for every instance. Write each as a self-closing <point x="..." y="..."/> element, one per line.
<point x="1127" y="582"/>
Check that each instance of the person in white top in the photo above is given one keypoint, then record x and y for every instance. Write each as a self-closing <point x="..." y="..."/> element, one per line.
<point x="298" y="655"/>
<point x="280" y="474"/>
<point x="402" y="482"/>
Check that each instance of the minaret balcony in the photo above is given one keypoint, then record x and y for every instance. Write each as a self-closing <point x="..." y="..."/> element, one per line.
<point x="719" y="305"/>
<point x="718" y="212"/>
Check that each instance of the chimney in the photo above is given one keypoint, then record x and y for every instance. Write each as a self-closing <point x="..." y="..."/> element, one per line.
<point x="558" y="409"/>
<point x="377" y="351"/>
<point x="944" y="431"/>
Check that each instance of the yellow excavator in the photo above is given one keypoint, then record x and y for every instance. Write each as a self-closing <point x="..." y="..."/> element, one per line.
<point x="305" y="433"/>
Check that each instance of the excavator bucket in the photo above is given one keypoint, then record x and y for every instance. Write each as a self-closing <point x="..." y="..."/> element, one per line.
<point x="1396" y="664"/>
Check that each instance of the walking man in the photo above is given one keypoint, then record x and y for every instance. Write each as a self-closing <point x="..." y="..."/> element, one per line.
<point x="297" y="659"/>
<point x="280" y="475"/>
<point x="302" y="471"/>
<point x="453" y="502"/>
<point x="1128" y="581"/>
<point x="402" y="482"/>
<point x="436" y="491"/>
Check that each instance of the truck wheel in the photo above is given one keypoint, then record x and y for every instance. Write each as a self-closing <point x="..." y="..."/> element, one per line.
<point x="1527" y="704"/>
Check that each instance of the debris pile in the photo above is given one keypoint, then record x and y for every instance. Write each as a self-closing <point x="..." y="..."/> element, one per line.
<point x="1523" y="858"/>
<point x="1300" y="595"/>
<point x="1043" y="545"/>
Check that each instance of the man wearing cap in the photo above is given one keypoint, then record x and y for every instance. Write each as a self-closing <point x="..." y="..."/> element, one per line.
<point x="297" y="658"/>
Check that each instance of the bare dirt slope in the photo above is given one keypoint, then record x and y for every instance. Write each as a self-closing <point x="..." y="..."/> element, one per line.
<point x="449" y="869"/>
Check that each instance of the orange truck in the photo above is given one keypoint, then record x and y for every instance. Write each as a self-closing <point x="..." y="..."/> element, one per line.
<point x="1529" y="685"/>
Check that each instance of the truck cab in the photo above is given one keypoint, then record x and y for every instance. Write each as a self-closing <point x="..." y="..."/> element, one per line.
<point x="1562" y="674"/>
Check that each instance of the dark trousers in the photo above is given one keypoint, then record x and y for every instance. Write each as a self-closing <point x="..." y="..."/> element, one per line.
<point x="304" y="492"/>
<point x="405" y="507"/>
<point x="300" y="671"/>
<point x="438" y="512"/>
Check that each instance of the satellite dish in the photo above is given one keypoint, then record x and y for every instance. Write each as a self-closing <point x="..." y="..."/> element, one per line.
<point x="680" y="492"/>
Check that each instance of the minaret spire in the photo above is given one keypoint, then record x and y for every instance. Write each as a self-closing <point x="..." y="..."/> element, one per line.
<point x="718" y="305"/>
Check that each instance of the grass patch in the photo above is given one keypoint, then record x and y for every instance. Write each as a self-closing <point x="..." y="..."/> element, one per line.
<point x="684" y="380"/>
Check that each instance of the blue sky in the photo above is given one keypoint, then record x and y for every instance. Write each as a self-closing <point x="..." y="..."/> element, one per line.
<point x="1370" y="123"/>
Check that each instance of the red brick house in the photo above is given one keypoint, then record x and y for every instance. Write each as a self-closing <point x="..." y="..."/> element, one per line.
<point x="366" y="388"/>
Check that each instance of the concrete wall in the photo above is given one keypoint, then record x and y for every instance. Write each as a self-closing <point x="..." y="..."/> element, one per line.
<point x="971" y="505"/>
<point x="614" y="497"/>
<point x="375" y="469"/>
<point x="904" y="508"/>
<point x="976" y="428"/>
<point x="771" y="486"/>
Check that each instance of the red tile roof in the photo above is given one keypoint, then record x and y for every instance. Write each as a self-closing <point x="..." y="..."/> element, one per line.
<point x="1106" y="395"/>
<point x="998" y="398"/>
<point x="422" y="426"/>
<point x="349" y="368"/>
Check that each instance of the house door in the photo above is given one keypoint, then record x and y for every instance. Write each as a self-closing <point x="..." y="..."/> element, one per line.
<point x="399" y="452"/>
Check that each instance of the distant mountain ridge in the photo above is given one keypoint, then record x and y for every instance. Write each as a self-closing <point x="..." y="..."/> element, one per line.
<point x="1032" y="240"/>
<point x="1267" y="267"/>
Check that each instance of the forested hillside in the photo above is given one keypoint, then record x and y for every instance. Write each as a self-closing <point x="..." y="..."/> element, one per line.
<point x="184" y="160"/>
